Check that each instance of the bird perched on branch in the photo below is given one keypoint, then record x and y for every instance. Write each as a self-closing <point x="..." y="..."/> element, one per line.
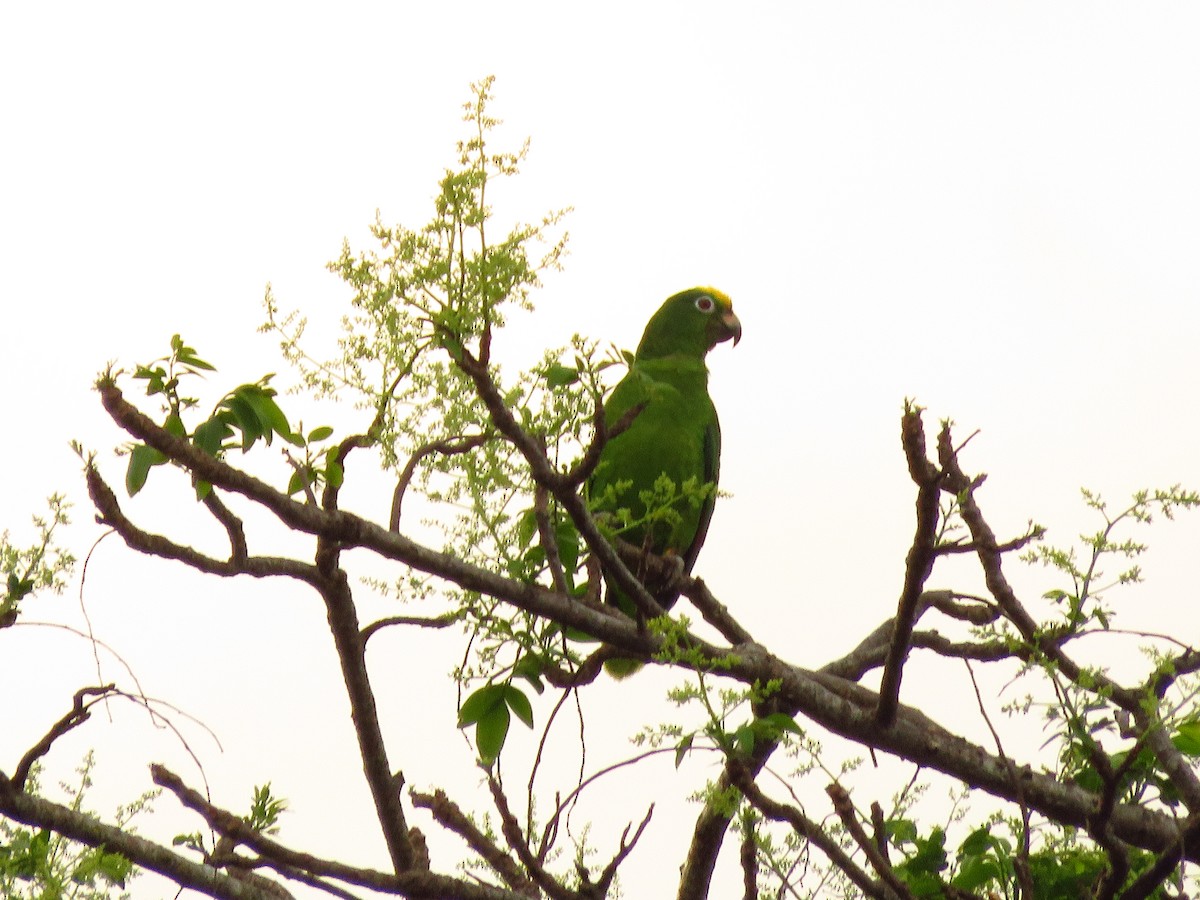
<point x="658" y="476"/>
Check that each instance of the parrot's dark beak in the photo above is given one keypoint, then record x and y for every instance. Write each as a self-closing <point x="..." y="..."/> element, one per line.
<point x="732" y="325"/>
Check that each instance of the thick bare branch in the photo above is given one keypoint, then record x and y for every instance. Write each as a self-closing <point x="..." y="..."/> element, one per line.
<point x="347" y="639"/>
<point x="748" y="857"/>
<point x="715" y="612"/>
<point x="712" y="823"/>
<point x="919" y="564"/>
<point x="1166" y="864"/>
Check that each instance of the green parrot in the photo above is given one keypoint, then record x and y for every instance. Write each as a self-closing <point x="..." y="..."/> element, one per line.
<point x="675" y="433"/>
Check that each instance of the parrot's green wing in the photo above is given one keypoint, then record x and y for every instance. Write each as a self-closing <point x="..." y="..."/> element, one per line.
<point x="712" y="472"/>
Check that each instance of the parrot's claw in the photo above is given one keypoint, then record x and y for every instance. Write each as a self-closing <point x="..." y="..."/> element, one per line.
<point x="676" y="564"/>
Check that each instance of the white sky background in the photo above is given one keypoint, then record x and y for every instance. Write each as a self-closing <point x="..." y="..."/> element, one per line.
<point x="989" y="207"/>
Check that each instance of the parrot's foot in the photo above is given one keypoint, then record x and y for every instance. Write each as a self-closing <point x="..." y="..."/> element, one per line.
<point x="675" y="568"/>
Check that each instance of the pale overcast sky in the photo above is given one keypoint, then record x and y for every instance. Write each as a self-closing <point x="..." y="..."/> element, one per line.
<point x="990" y="207"/>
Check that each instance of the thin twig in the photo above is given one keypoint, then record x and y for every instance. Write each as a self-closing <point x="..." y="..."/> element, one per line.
<point x="548" y="539"/>
<point x="1022" y="861"/>
<point x="443" y="621"/>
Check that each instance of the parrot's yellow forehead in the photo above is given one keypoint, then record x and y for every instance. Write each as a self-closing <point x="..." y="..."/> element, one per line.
<point x="721" y="298"/>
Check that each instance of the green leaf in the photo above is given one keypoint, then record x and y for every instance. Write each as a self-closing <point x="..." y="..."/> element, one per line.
<point x="568" y="544"/>
<point x="112" y="867"/>
<point x="174" y="425"/>
<point x="246" y="419"/>
<point x="930" y="857"/>
<point x="526" y="527"/>
<point x="558" y="375"/>
<point x="18" y="587"/>
<point x="449" y="342"/>
<point x="1187" y="738"/>
<point x="775" y="723"/>
<point x="682" y="748"/>
<point x="334" y="473"/>
<point x="519" y="704"/>
<point x="210" y="436"/>
<point x="976" y="872"/>
<point x="743" y="739"/>
<point x="141" y="460"/>
<point x="194" y="841"/>
<point x="902" y="831"/>
<point x="269" y="414"/>
<point x="530" y="667"/>
<point x="188" y="357"/>
<point x="977" y="843"/>
<point x="480" y="703"/>
<point x="319" y="434"/>
<point x="300" y="479"/>
<point x="490" y="733"/>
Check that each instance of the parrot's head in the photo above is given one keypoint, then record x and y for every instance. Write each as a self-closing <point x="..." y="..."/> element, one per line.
<point x="691" y="322"/>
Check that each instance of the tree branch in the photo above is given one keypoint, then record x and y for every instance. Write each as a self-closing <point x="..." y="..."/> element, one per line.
<point x="347" y="639"/>
<point x="39" y="813"/>
<point x="560" y="486"/>
<point x="841" y="706"/>
<point x="919" y="564"/>
<point x="445" y="446"/>
<point x="238" y="551"/>
<point x="447" y="814"/>
<point x="845" y="811"/>
<point x="814" y="833"/>
<point x="273" y="854"/>
<point x="80" y="712"/>
<point x="515" y="838"/>
<point x="146" y="542"/>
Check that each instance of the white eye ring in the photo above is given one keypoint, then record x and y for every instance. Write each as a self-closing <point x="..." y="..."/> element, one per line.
<point x="705" y="304"/>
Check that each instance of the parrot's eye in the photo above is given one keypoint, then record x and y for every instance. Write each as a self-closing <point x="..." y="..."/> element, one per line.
<point x="705" y="304"/>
